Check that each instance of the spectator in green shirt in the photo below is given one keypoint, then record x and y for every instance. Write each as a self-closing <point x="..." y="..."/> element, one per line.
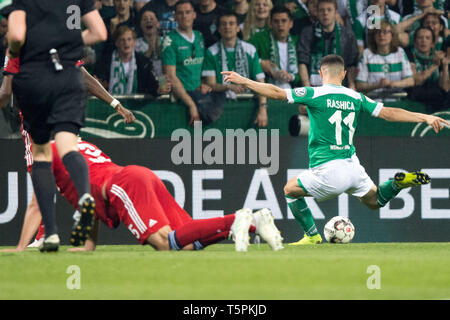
<point x="182" y="55"/>
<point x="232" y="54"/>
<point x="278" y="49"/>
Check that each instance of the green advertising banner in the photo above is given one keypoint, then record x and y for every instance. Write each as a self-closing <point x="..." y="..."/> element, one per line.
<point x="160" y="118"/>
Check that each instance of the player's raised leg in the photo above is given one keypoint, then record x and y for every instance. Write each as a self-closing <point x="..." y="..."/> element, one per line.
<point x="295" y="193"/>
<point x="386" y="191"/>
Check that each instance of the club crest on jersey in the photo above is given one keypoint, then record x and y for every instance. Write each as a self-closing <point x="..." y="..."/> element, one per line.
<point x="300" y="92"/>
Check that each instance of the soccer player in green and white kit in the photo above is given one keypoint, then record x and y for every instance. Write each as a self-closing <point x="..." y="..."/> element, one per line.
<point x="334" y="167"/>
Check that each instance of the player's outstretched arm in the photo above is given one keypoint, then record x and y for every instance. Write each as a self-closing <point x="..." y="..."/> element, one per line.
<point x="402" y="115"/>
<point x="265" y="89"/>
<point x="96" y="89"/>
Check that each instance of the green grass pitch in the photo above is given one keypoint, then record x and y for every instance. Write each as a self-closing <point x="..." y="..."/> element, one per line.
<point x="327" y="271"/>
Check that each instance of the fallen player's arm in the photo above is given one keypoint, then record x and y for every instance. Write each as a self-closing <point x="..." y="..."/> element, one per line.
<point x="31" y="223"/>
<point x="265" y="89"/>
<point x="5" y="90"/>
<point x="402" y="115"/>
<point x="94" y="87"/>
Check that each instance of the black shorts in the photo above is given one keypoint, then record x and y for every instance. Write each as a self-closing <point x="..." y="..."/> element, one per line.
<point x="47" y="99"/>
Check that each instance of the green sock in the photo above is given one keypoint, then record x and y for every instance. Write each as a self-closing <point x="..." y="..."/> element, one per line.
<point x="386" y="192"/>
<point x="303" y="215"/>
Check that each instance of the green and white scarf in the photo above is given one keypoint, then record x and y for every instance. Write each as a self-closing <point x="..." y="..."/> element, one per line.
<point x="292" y="55"/>
<point x="424" y="62"/>
<point x="353" y="8"/>
<point x="240" y="62"/>
<point x="119" y="81"/>
<point x="319" y="50"/>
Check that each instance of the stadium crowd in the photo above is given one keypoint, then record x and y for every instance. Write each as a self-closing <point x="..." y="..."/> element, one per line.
<point x="175" y="46"/>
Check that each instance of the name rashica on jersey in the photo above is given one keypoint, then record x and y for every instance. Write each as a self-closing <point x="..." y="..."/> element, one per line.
<point x="333" y="114"/>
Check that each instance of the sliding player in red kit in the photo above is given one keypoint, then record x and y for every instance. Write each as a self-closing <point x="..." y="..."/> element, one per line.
<point x="135" y="196"/>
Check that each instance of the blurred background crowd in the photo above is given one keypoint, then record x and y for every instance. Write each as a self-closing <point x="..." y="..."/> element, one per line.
<point x="157" y="47"/>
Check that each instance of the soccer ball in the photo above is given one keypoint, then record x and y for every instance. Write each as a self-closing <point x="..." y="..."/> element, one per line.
<point x="339" y="230"/>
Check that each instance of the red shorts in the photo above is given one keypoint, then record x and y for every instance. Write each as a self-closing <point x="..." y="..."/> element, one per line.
<point x="143" y="203"/>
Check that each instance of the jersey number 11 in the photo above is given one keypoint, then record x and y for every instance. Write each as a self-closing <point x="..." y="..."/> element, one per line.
<point x="336" y="118"/>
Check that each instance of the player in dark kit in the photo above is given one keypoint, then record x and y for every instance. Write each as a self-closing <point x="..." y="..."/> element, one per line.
<point x="46" y="38"/>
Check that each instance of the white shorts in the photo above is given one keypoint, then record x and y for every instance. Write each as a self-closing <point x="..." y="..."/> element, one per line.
<point x="335" y="177"/>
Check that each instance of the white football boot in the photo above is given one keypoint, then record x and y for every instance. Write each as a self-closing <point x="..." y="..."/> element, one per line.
<point x="265" y="227"/>
<point x="50" y="244"/>
<point x="239" y="229"/>
<point x="36" y="243"/>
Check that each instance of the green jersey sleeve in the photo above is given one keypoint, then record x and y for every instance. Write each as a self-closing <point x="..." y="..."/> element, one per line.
<point x="257" y="73"/>
<point x="209" y="65"/>
<point x="300" y="95"/>
<point x="169" y="56"/>
<point x="371" y="106"/>
<point x="261" y="41"/>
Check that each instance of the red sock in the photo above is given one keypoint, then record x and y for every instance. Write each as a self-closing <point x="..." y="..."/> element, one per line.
<point x="221" y="236"/>
<point x="215" y="238"/>
<point x="202" y="229"/>
<point x="41" y="231"/>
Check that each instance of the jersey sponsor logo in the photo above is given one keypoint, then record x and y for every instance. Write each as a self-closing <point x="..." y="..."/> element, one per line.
<point x="193" y="61"/>
<point x="300" y="92"/>
<point x="339" y="104"/>
<point x="334" y="147"/>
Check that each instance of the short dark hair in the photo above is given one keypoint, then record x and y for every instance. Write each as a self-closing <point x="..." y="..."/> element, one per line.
<point x="280" y="9"/>
<point x="184" y="2"/>
<point x="416" y="33"/>
<point x="228" y="13"/>
<point x="332" y="60"/>
<point x="334" y="2"/>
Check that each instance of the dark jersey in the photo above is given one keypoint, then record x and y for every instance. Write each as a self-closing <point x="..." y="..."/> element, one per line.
<point x="52" y="24"/>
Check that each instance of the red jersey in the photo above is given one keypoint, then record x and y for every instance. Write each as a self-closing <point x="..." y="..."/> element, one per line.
<point x="101" y="169"/>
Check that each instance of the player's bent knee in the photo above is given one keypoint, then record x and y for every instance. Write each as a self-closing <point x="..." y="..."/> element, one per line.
<point x="370" y="200"/>
<point x="292" y="189"/>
